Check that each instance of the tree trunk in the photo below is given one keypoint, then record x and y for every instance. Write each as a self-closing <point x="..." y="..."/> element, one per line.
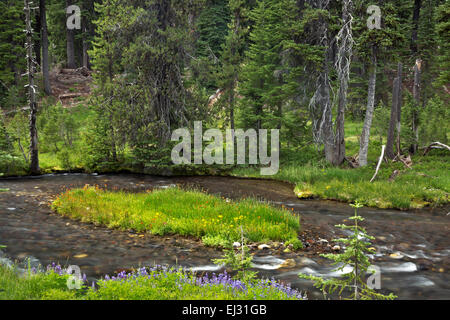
<point x="85" y="50"/>
<point x="415" y="117"/>
<point x="415" y="26"/>
<point x="365" y="135"/>
<point x="70" y="37"/>
<point x="339" y="142"/>
<point x="399" y="107"/>
<point x="231" y="102"/>
<point x="344" y="56"/>
<point x="37" y="27"/>
<point x="394" y="123"/>
<point x="31" y="65"/>
<point x="44" y="41"/>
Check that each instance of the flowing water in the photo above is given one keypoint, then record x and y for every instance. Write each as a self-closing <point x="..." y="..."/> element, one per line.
<point x="412" y="246"/>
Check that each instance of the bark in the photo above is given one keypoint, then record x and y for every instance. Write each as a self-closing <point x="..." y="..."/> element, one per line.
<point x="394" y="123"/>
<point x="415" y="116"/>
<point x="365" y="135"/>
<point x="399" y="107"/>
<point x="339" y="150"/>
<point x="344" y="56"/>
<point x="415" y="28"/>
<point x="70" y="39"/>
<point x="44" y="41"/>
<point x="231" y="102"/>
<point x="320" y="104"/>
<point x="37" y="27"/>
<point x="85" y="51"/>
<point x="31" y="65"/>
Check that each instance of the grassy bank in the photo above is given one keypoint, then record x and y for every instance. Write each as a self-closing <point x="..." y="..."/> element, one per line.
<point x="174" y="211"/>
<point x="158" y="283"/>
<point x="427" y="183"/>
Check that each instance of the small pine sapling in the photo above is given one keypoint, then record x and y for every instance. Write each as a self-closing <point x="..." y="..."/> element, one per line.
<point x="238" y="259"/>
<point x="357" y="249"/>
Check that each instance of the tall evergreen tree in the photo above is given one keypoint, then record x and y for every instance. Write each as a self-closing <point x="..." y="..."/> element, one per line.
<point x="443" y="32"/>
<point x="12" y="49"/>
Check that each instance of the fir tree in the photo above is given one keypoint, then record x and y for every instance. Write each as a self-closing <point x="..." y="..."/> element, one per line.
<point x="355" y="256"/>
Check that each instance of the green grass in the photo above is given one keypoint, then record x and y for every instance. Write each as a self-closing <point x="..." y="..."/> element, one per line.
<point x="144" y="284"/>
<point x="29" y="286"/>
<point x="427" y="183"/>
<point x="174" y="211"/>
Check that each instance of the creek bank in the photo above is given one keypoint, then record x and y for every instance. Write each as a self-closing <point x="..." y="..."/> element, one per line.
<point x="412" y="246"/>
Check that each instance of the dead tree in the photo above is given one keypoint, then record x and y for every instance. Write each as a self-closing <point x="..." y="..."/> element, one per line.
<point x="394" y="124"/>
<point x="415" y="116"/>
<point x="345" y="43"/>
<point x="321" y="103"/>
<point x="365" y="135"/>
<point x="31" y="69"/>
<point x="70" y="43"/>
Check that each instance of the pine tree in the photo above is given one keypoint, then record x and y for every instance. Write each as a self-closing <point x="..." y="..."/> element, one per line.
<point x="443" y="32"/>
<point x="355" y="256"/>
<point x="233" y="55"/>
<point x="212" y="28"/>
<point x="12" y="51"/>
<point x="261" y="87"/>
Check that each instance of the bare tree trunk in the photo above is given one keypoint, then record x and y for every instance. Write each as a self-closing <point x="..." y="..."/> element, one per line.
<point x="85" y="51"/>
<point x="399" y="107"/>
<point x="394" y="122"/>
<point x="339" y="142"/>
<point x="31" y="65"/>
<point x="320" y="104"/>
<point x="415" y="26"/>
<point x="37" y="46"/>
<point x="44" y="41"/>
<point x="231" y="102"/>
<point x="70" y="38"/>
<point x="416" y="95"/>
<point x="344" y="56"/>
<point x="365" y="135"/>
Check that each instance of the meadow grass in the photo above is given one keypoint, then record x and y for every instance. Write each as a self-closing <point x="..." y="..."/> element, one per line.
<point x="157" y="283"/>
<point x="174" y="211"/>
<point x="427" y="183"/>
<point x="29" y="286"/>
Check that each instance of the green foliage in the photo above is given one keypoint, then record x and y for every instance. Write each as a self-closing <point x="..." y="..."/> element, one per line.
<point x="10" y="162"/>
<point x="157" y="283"/>
<point x="28" y="286"/>
<point x="432" y="127"/>
<point x="423" y="185"/>
<point x="263" y="97"/>
<point x="355" y="256"/>
<point x="57" y="127"/>
<point x="443" y="31"/>
<point x="212" y="28"/>
<point x="12" y="52"/>
<point x="238" y="259"/>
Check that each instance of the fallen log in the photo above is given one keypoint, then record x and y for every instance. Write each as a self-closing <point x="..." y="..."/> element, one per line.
<point x="379" y="163"/>
<point x="435" y="145"/>
<point x="69" y="95"/>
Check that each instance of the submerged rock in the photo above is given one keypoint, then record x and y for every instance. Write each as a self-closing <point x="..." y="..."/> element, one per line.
<point x="288" y="263"/>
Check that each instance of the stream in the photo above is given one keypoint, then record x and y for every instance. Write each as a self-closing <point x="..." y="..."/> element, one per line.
<point x="412" y="246"/>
